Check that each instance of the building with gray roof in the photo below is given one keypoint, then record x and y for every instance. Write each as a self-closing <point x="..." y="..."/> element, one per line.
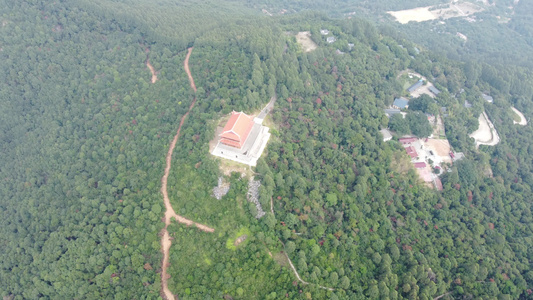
<point x="415" y="86"/>
<point x="400" y="103"/>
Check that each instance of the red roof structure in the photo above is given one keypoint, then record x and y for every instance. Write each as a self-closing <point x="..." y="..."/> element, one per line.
<point x="411" y="151"/>
<point x="420" y="165"/>
<point x="237" y="129"/>
<point x="407" y="140"/>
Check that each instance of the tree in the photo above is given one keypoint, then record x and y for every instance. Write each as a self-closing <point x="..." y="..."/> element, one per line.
<point x="419" y="125"/>
<point x="290" y="246"/>
<point x="399" y="124"/>
<point x="421" y="103"/>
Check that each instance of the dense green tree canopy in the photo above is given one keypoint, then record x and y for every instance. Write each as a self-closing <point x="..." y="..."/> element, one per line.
<point x="85" y="134"/>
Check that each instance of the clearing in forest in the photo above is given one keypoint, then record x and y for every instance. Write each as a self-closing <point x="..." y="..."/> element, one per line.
<point x="441" y="149"/>
<point x="304" y="38"/>
<point x="421" y="14"/>
<point x="522" y="121"/>
<point x="486" y="133"/>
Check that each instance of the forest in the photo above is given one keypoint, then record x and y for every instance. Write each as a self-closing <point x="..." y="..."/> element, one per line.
<point x="85" y="133"/>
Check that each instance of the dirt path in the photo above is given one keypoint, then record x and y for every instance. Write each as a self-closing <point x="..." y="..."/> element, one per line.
<point x="296" y="272"/>
<point x="186" y="67"/>
<point x="166" y="242"/>
<point x="149" y="65"/>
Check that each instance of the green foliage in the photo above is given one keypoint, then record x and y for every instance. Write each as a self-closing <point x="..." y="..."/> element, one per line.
<point x="418" y="124"/>
<point x="399" y="124"/>
<point x="230" y="243"/>
<point x="85" y="135"/>
<point x="424" y="103"/>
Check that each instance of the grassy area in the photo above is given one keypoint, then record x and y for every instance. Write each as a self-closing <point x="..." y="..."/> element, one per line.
<point x="190" y="192"/>
<point x="406" y="81"/>
<point x="516" y="117"/>
<point x="208" y="265"/>
<point x="200" y="265"/>
<point x="230" y="243"/>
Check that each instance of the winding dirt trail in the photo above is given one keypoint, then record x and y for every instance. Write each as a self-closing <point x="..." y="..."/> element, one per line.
<point x="166" y="241"/>
<point x="186" y="67"/>
<point x="154" y="75"/>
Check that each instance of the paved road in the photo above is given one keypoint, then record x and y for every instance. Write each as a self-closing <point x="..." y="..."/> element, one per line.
<point x="262" y="115"/>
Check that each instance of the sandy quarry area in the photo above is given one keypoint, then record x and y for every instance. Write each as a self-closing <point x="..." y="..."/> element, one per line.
<point x="421" y="14"/>
<point x="304" y="38"/>
<point x="486" y="133"/>
<point x="523" y="120"/>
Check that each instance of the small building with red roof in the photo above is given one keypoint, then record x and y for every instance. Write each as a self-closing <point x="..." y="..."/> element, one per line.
<point x="407" y="140"/>
<point x="237" y="129"/>
<point x="411" y="151"/>
<point x="420" y="165"/>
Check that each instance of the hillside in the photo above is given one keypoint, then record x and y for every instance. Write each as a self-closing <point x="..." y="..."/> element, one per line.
<point x="89" y="141"/>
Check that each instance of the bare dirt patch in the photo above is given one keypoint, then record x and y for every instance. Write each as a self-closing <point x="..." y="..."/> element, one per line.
<point x="186" y="67"/>
<point x="440" y="147"/>
<point x="152" y="70"/>
<point x="421" y="14"/>
<point x="304" y="38"/>
<point x="486" y="133"/>
<point x="523" y="120"/>
<point x="227" y="167"/>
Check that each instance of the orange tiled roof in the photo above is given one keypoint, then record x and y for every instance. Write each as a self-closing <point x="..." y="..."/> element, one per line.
<point x="237" y="129"/>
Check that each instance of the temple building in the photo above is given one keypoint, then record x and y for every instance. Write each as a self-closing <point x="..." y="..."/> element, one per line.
<point x="243" y="138"/>
<point x="237" y="130"/>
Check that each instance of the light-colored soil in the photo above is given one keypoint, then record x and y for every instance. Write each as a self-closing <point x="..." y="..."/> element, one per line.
<point x="152" y="70"/>
<point x="228" y="166"/>
<point x="486" y="133"/>
<point x="186" y="67"/>
<point x="304" y="38"/>
<point x="421" y="14"/>
<point x="440" y="147"/>
<point x="523" y="120"/>
<point x="169" y="210"/>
